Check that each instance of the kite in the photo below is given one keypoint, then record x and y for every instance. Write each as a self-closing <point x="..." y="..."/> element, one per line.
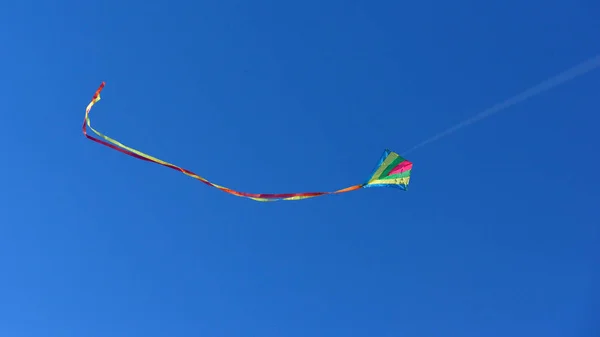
<point x="392" y="170"/>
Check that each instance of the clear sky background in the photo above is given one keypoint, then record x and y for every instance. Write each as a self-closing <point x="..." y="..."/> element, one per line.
<point x="497" y="235"/>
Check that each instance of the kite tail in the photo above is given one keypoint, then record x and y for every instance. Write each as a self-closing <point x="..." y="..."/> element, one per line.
<point x="392" y="170"/>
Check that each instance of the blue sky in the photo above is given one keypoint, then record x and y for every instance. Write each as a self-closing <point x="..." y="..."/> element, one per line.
<point x="497" y="235"/>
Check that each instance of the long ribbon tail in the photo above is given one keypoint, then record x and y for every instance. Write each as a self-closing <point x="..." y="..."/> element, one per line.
<point x="115" y="145"/>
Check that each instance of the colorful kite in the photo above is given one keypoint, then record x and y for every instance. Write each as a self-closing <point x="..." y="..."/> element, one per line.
<point x="391" y="171"/>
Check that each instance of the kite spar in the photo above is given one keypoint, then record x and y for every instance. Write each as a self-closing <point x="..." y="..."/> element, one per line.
<point x="391" y="171"/>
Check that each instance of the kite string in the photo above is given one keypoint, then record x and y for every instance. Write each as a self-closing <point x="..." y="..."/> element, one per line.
<point x="565" y="76"/>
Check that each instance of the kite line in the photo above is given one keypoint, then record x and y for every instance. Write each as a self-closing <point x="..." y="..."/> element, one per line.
<point x="392" y="170"/>
<point x="565" y="76"/>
